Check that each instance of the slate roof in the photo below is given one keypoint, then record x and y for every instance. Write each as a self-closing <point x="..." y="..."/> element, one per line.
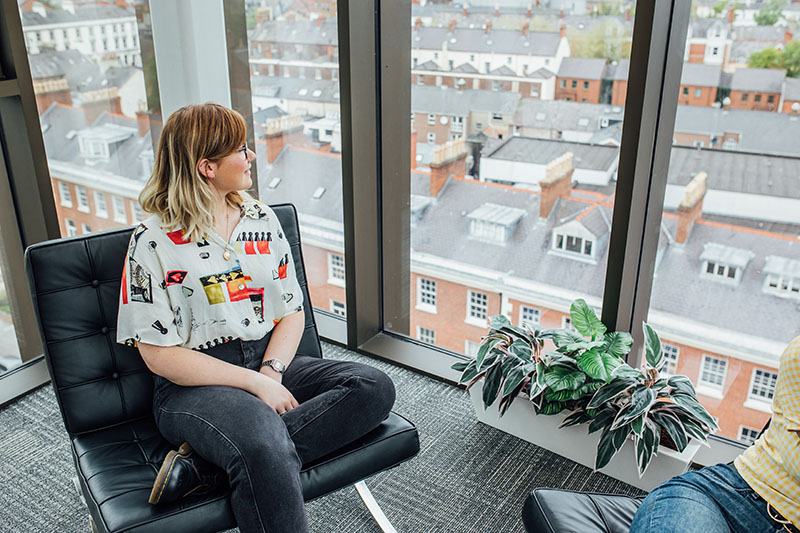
<point x="82" y="75"/>
<point x="428" y="65"/>
<point x="586" y="68"/>
<point x="766" y="80"/>
<point x="503" y="71"/>
<point x="763" y="132"/>
<point x="295" y="88"/>
<point x="541" y="74"/>
<point x="443" y="231"/>
<point x="700" y="26"/>
<point x="466" y="68"/>
<point x="535" y="43"/>
<point x="95" y="12"/>
<point x="774" y="34"/>
<point x="542" y="151"/>
<point x="742" y="50"/>
<point x="447" y="101"/>
<point x="700" y="75"/>
<point x="791" y="91"/>
<point x="563" y="115"/>
<point x="305" y="32"/>
<point x="62" y="125"/>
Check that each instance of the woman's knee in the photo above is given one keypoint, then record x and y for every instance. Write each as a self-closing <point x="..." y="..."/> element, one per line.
<point x="378" y="389"/>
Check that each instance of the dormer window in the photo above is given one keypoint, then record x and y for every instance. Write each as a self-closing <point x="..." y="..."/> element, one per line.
<point x="573" y="244"/>
<point x="724" y="263"/>
<point x="494" y="223"/>
<point x="93" y="148"/>
<point x="782" y="276"/>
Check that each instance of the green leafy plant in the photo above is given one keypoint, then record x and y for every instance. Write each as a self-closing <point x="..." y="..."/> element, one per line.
<point x="587" y="375"/>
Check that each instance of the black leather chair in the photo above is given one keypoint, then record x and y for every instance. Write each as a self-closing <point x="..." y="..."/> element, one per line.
<point x="567" y="511"/>
<point x="104" y="391"/>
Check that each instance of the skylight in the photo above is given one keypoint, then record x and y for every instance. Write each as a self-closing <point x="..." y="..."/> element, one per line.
<point x="274" y="183"/>
<point x="318" y="193"/>
<point x="316" y="93"/>
<point x="782" y="276"/>
<point x="492" y="222"/>
<point x="302" y="92"/>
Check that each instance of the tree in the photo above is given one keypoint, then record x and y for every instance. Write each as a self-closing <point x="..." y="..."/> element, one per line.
<point x="719" y="7"/>
<point x="788" y="59"/>
<point x="605" y="40"/>
<point x="770" y="14"/>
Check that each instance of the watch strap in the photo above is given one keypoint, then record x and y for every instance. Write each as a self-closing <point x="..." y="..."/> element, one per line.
<point x="276" y="364"/>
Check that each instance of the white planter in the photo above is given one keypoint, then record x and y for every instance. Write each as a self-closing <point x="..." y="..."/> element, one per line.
<point x="576" y="444"/>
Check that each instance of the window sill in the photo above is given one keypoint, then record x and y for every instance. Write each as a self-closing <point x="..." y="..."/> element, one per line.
<point x="426" y="308"/>
<point x="83" y="209"/>
<point x="337" y="282"/>
<point x="758" y="405"/>
<point x="711" y="392"/>
<point x="477" y="322"/>
<point x="66" y="204"/>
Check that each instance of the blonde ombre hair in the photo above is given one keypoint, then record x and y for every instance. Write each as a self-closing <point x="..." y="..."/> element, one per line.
<point x="176" y="191"/>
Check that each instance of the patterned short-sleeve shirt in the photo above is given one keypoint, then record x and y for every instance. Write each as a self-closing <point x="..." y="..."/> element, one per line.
<point x="200" y="294"/>
<point x="771" y="466"/>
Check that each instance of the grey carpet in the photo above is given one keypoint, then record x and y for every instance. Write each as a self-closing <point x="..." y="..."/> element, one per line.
<point x="468" y="477"/>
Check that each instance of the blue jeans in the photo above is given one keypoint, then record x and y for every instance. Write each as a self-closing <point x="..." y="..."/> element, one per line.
<point x="261" y="451"/>
<point x="714" y="499"/>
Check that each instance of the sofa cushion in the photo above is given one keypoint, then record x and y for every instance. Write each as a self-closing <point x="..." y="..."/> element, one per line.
<point x="562" y="511"/>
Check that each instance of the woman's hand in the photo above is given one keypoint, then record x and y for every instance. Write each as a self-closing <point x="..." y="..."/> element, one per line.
<point x="272" y="393"/>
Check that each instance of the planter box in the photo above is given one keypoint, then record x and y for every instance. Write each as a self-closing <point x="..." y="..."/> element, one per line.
<point x="576" y="444"/>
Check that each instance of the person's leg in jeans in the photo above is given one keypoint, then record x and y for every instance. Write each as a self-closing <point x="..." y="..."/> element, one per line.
<point x="340" y="401"/>
<point x="714" y="499"/>
<point x="241" y="434"/>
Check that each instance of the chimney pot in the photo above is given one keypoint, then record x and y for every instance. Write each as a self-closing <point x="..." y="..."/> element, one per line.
<point x="525" y="29"/>
<point x="417" y="24"/>
<point x="449" y="159"/>
<point x="691" y="207"/>
<point x="487" y="27"/>
<point x="557" y="181"/>
<point x="452" y="26"/>
<point x="562" y="31"/>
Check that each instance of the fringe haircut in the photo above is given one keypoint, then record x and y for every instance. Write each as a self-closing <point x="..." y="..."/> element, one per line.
<point x="176" y="191"/>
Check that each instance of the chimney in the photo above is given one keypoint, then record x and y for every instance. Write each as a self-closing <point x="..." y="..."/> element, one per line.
<point x="319" y="22"/>
<point x="460" y="83"/>
<point x="330" y="52"/>
<point x="787" y="36"/>
<point x="68" y="5"/>
<point x="530" y="10"/>
<point x="143" y="122"/>
<point x="464" y="11"/>
<point x="525" y="29"/>
<point x="562" y="31"/>
<point x="497" y="10"/>
<point x="417" y="24"/>
<point x="283" y="131"/>
<point x="795" y="110"/>
<point x="731" y="15"/>
<point x="452" y="26"/>
<point x="628" y="15"/>
<point x="413" y="149"/>
<point x="691" y="207"/>
<point x="557" y="181"/>
<point x="487" y="27"/>
<point x="449" y="159"/>
<point x="561" y="13"/>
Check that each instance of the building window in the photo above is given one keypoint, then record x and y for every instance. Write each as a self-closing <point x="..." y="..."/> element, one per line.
<point x="686" y="91"/>
<point x="488" y="67"/>
<point x="85" y="228"/>
<point x="574" y="84"/>
<point x="529" y="317"/>
<point x="497" y="116"/>
<point x="563" y="84"/>
<point x="83" y="198"/>
<point x="426" y="335"/>
<point x="572" y="244"/>
<point x="782" y="285"/>
<point x="338" y="309"/>
<point x="566" y="323"/>
<point x="71" y="229"/>
<point x="670" y="357"/>
<point x="509" y="60"/>
<point x="426" y="294"/>
<point x="720" y="271"/>
<point x="745" y="97"/>
<point x="763" y="385"/>
<point x="100" y="206"/>
<point x="771" y="99"/>
<point x="730" y="144"/>
<point x="471" y="348"/>
<point x="336" y="269"/>
<point x="535" y="90"/>
<point x="748" y="435"/>
<point x="119" y="209"/>
<point x="586" y="85"/>
<point x="138" y="214"/>
<point x="713" y="371"/>
<point x="698" y="93"/>
<point x="757" y="98"/>
<point x="477" y="306"/>
<point x="431" y="119"/>
<point x="715" y="51"/>
<point x="63" y="192"/>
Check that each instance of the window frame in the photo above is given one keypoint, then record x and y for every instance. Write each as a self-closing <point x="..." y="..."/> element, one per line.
<point x="83" y="199"/>
<point x="536" y="311"/>
<point x="334" y="268"/>
<point x="422" y="293"/>
<point x="471" y="318"/>
<point x="757" y="401"/>
<point x="708" y="388"/>
<point x="100" y="199"/>
<point x="422" y="331"/>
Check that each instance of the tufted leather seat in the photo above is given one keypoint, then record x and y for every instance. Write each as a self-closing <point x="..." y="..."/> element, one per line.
<point x="567" y="511"/>
<point x="104" y="391"/>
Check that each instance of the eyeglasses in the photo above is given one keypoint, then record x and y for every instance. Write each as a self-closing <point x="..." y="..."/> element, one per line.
<point x="243" y="149"/>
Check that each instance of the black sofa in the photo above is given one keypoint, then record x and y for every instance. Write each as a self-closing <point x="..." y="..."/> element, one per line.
<point x="563" y="511"/>
<point x="104" y="391"/>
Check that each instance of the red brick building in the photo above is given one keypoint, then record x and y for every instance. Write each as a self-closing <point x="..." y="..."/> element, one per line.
<point x="699" y="84"/>
<point x="580" y="79"/>
<point x="757" y="89"/>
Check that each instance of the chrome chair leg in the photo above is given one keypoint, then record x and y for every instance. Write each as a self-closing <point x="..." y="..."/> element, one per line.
<point x="373" y="507"/>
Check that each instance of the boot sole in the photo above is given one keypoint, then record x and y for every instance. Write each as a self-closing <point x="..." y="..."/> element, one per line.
<point x="164" y="472"/>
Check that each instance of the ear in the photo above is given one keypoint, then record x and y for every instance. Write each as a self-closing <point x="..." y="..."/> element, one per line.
<point x="206" y="168"/>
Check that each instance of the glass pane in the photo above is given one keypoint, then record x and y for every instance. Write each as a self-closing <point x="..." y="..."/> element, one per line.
<point x="9" y="350"/>
<point x="727" y="276"/>
<point x="89" y="80"/>
<point x="294" y="69"/>
<point x="516" y="120"/>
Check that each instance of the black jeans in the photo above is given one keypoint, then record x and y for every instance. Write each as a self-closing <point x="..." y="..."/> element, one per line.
<point x="261" y="451"/>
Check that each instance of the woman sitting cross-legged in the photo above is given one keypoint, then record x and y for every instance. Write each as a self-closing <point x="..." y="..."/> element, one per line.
<point x="759" y="492"/>
<point x="211" y="298"/>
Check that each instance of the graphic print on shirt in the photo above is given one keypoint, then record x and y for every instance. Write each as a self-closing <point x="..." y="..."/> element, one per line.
<point x="281" y="271"/>
<point x="175" y="277"/>
<point x="140" y="282"/>
<point x="159" y="327"/>
<point x="254" y="210"/>
<point x="177" y="237"/>
<point x="253" y="243"/>
<point x="236" y="283"/>
<point x="141" y="228"/>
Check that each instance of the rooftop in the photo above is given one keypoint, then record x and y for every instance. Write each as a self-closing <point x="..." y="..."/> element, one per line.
<point x="582" y="67"/>
<point x="758" y="79"/>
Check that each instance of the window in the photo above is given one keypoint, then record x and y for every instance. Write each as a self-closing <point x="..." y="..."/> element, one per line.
<point x="529" y="317"/>
<point x="431" y="119"/>
<point x="745" y="97"/>
<point x="574" y="84"/>
<point x="698" y="93"/>
<point x="471" y="348"/>
<point x="71" y="229"/>
<point x="138" y="214"/>
<point x="671" y="353"/>
<point x="83" y="198"/>
<point x="426" y="335"/>
<point x="85" y="228"/>
<point x="497" y="116"/>
<point x="573" y="244"/>
<point x="431" y="137"/>
<point x="748" y="435"/>
<point x="771" y="99"/>
<point x="763" y="385"/>
<point x="100" y="207"/>
<point x="686" y="91"/>
<point x="757" y="98"/>
<point x="508" y="61"/>
<point x="563" y="84"/>
<point x="63" y="192"/>
<point x="336" y="273"/>
<point x="586" y="85"/>
<point x="535" y="90"/>
<point x="119" y="209"/>
<point x="488" y="67"/>
<point x="338" y="309"/>
<point x="566" y="323"/>
<point x="712" y="373"/>
<point x="477" y="306"/>
<point x="715" y="51"/>
<point x="426" y="294"/>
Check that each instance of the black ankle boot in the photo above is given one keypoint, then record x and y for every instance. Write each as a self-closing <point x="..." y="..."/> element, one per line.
<point x="183" y="472"/>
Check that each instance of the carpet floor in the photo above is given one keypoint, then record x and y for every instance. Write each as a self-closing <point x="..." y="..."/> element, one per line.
<point x="468" y="477"/>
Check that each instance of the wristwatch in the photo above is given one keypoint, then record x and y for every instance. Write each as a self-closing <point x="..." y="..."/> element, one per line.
<point x="276" y="364"/>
